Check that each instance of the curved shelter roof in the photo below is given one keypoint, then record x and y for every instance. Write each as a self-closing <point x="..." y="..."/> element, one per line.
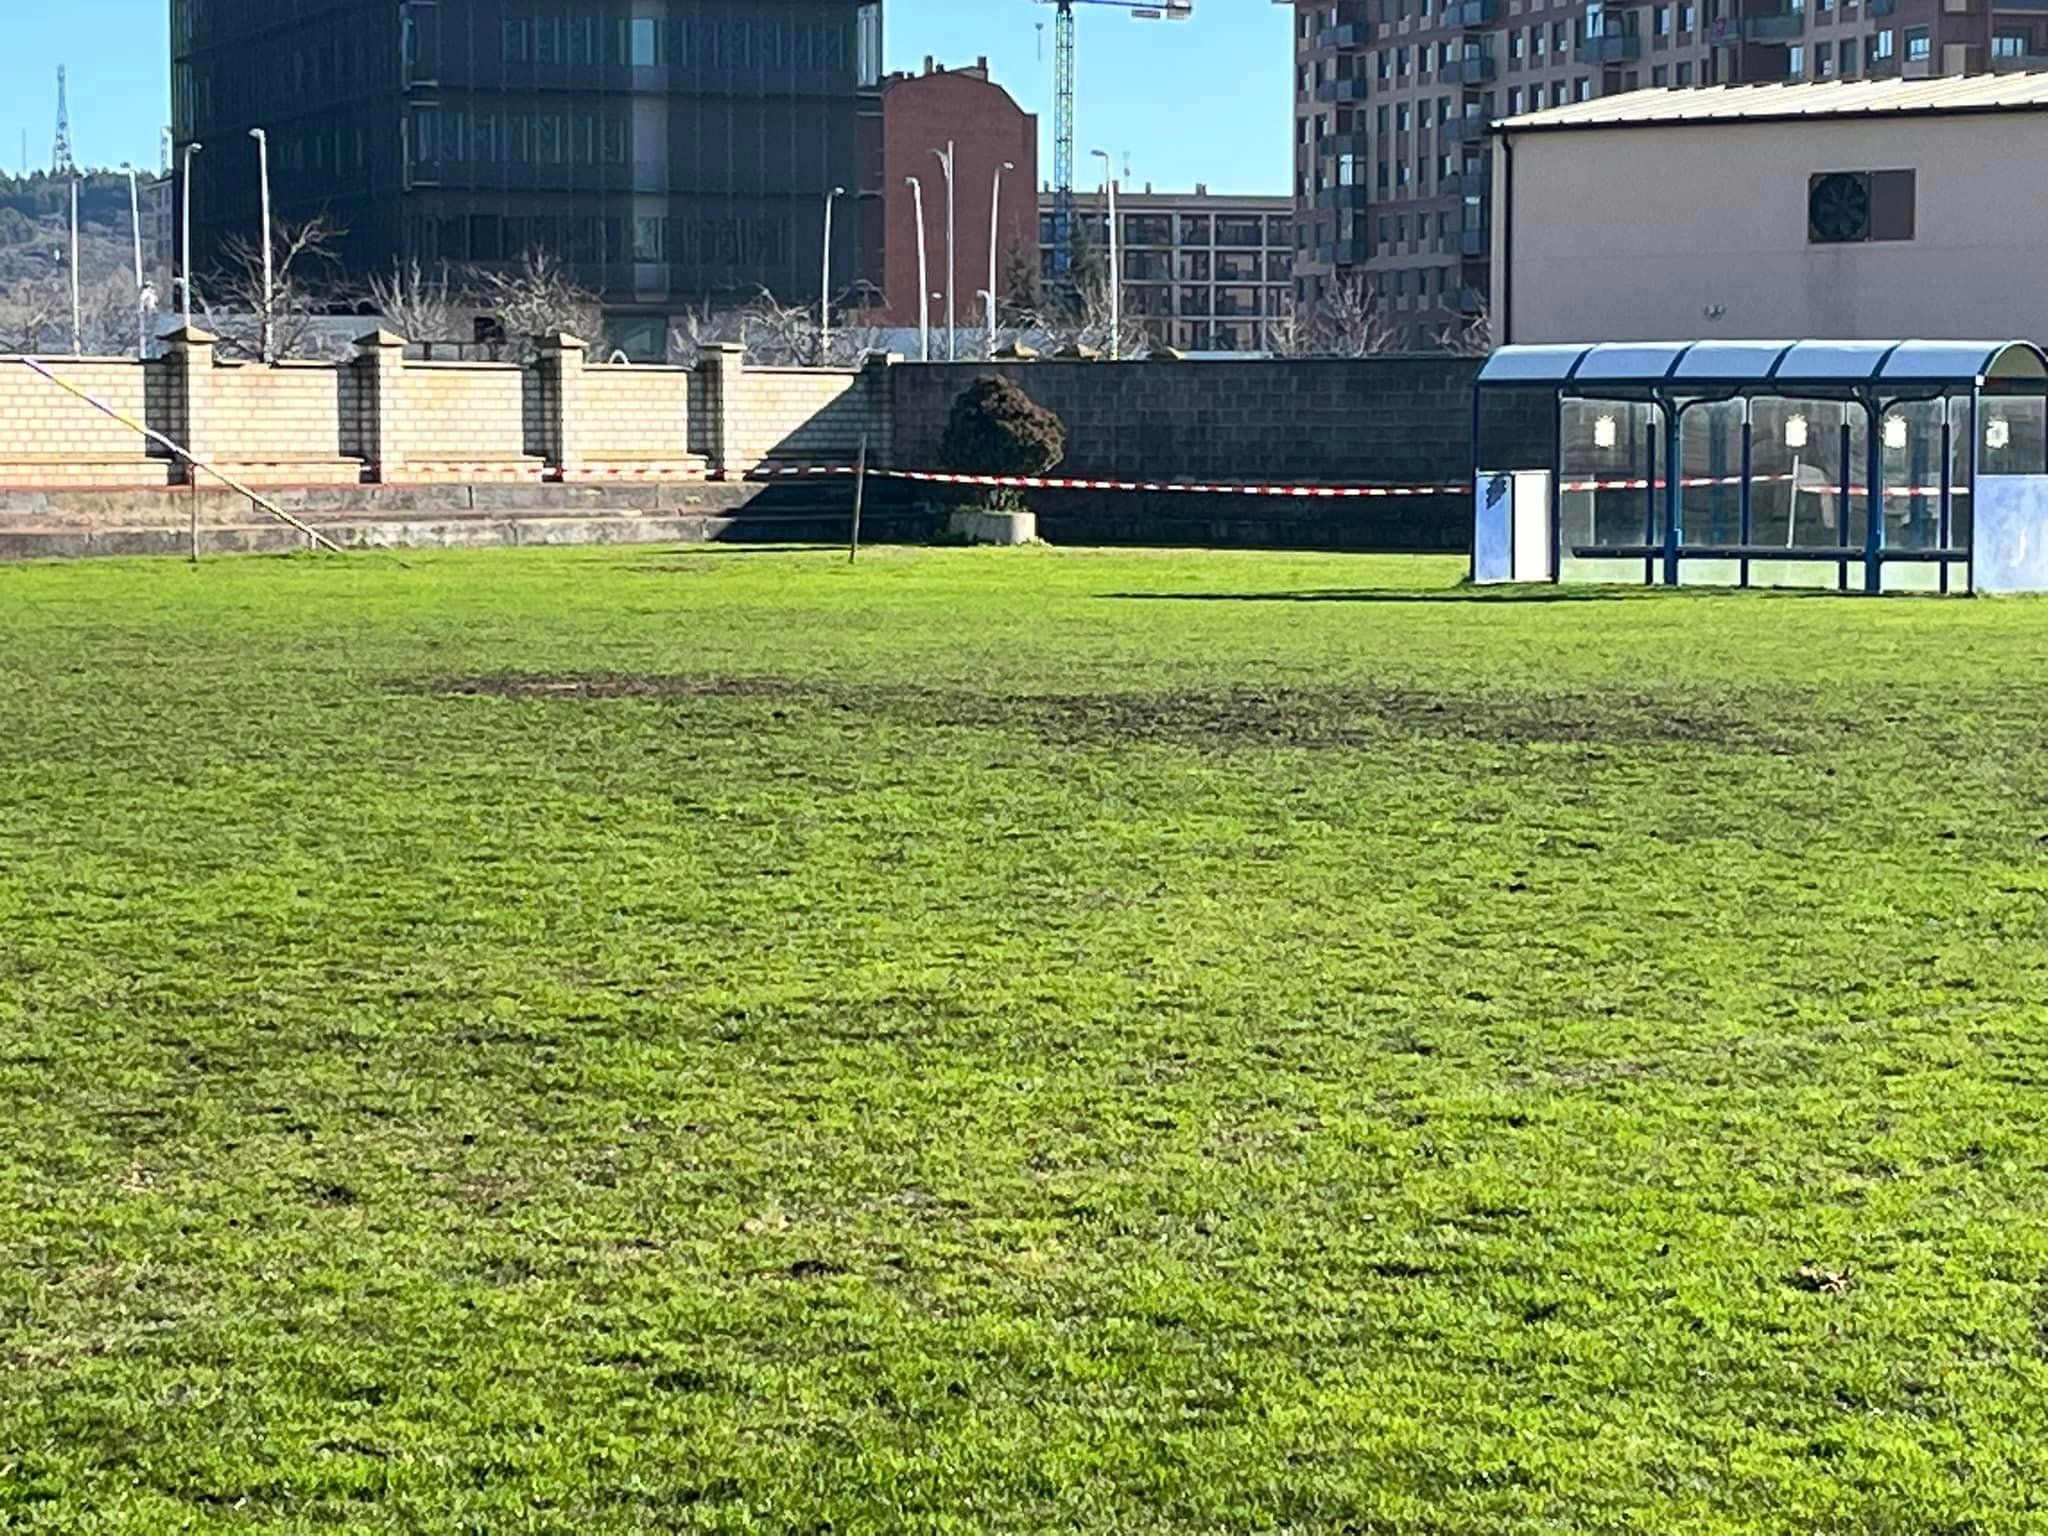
<point x="1781" y="366"/>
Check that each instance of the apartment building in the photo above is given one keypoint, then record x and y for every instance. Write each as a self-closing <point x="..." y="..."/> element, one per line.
<point x="1201" y="272"/>
<point x="1394" y="100"/>
<point x="668" y="151"/>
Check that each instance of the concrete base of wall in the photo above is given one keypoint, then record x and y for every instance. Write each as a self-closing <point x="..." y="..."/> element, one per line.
<point x="994" y="527"/>
<point x="76" y="525"/>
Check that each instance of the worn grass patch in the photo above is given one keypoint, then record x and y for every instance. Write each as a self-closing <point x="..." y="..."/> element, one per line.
<point x="1015" y="1041"/>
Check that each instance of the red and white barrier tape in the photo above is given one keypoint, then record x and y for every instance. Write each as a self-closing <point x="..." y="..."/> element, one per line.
<point x="1149" y="487"/>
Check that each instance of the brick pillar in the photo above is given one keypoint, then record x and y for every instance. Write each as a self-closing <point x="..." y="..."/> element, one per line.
<point x="717" y="388"/>
<point x="878" y="410"/>
<point x="188" y="354"/>
<point x="565" y="401"/>
<point x="380" y="366"/>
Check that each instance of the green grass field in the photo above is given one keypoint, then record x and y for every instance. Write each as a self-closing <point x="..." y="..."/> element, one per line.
<point x="1015" y="1041"/>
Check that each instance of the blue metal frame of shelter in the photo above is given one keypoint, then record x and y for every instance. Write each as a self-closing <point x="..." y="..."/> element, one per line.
<point x="1673" y="378"/>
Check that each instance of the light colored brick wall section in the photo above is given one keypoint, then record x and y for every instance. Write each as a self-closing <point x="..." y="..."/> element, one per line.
<point x="793" y="415"/>
<point x="461" y="412"/>
<point x="275" y="415"/>
<point x="635" y="413"/>
<point x="50" y="437"/>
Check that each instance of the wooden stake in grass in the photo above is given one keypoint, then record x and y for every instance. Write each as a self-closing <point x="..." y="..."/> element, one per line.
<point x="860" y="491"/>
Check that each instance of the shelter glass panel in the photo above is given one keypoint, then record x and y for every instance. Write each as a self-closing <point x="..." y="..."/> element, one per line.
<point x="1797" y="498"/>
<point x="1710" y="445"/>
<point x="1611" y="452"/>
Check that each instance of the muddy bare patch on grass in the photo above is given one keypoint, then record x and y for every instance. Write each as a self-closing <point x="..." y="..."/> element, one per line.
<point x="1319" y="719"/>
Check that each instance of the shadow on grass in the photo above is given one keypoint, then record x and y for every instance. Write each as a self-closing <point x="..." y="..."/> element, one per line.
<point x="1589" y="594"/>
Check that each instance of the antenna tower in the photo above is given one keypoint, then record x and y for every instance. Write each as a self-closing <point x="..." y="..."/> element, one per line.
<point x="61" y="161"/>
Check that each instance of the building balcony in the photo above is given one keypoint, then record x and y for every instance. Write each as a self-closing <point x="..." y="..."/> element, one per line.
<point x="1774" y="27"/>
<point x="1470" y="301"/>
<point x="1350" y="88"/>
<point x="1343" y="197"/>
<point x="1475" y="243"/>
<point x="1611" y="48"/>
<point x="1475" y="182"/>
<point x="1472" y="13"/>
<point x="1464" y="130"/>
<point x="1882" y="7"/>
<point x="1474" y="69"/>
<point x="1352" y="35"/>
<point x="1338" y="144"/>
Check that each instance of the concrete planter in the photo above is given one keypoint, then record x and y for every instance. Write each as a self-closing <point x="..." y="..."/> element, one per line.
<point x="994" y="527"/>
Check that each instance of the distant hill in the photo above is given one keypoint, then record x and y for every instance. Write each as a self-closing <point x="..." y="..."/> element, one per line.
<point x="35" y="215"/>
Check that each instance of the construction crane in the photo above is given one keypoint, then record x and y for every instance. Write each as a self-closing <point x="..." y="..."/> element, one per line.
<point x="1063" y="108"/>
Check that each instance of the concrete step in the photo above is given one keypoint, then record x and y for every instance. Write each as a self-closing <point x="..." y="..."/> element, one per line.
<point x="29" y="541"/>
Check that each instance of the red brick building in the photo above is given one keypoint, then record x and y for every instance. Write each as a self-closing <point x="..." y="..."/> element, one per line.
<point x="920" y="114"/>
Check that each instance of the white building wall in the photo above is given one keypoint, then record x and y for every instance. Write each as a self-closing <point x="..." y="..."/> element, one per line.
<point x="1672" y="233"/>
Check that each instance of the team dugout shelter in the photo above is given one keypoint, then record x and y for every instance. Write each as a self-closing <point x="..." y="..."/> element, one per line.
<point x="1853" y="466"/>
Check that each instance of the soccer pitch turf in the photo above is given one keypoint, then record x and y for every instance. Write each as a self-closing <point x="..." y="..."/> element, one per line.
<point x="635" y="1040"/>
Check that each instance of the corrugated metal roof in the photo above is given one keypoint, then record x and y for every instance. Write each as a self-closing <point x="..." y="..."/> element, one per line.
<point x="1834" y="364"/>
<point x="1776" y="103"/>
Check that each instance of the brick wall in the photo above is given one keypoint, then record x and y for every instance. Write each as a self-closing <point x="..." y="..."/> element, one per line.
<point x="462" y="413"/>
<point x="793" y="416"/>
<point x="50" y="437"/>
<point x="635" y="414"/>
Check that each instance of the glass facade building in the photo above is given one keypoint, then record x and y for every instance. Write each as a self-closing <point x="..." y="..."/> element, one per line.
<point x="668" y="151"/>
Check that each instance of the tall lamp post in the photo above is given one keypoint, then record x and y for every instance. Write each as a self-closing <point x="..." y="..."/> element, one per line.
<point x="77" y="309"/>
<point x="825" y="284"/>
<point x="945" y="158"/>
<point x="141" y="291"/>
<point x="185" y="229"/>
<point x="995" y="208"/>
<point x="1116" y="276"/>
<point x="924" y="277"/>
<point x="269" y="273"/>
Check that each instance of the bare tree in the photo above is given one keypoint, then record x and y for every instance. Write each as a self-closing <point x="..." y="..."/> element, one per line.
<point x="1348" y="321"/>
<point x="288" y="307"/>
<point x="1469" y="337"/>
<point x="35" y="315"/>
<point x="420" y="307"/>
<point x="1082" y="318"/>
<point x="777" y="335"/>
<point x="539" y="298"/>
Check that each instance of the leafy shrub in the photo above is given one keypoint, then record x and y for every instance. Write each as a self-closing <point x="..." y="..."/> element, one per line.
<point x="997" y="429"/>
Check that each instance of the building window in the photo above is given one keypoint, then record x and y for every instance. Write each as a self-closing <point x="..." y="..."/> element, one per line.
<point x="1795" y="61"/>
<point x="1536" y="42"/>
<point x="1515" y="102"/>
<point x="1660" y="20"/>
<point x="868" y="27"/>
<point x="1881" y="46"/>
<point x="1688" y="17"/>
<point x="1660" y="75"/>
<point x="1850" y="207"/>
<point x="645" y="43"/>
<point x="2010" y="45"/>
<point x="1582" y="88"/>
<point x="1849" y="50"/>
<point x="1919" y="46"/>
<point x="1823" y="60"/>
<point x="1684" y="74"/>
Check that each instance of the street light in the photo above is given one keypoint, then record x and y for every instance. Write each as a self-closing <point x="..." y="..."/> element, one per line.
<point x="995" y="208"/>
<point x="185" y="230"/>
<point x="1116" y="301"/>
<point x="945" y="158"/>
<point x="269" y="275"/>
<point x="924" y="277"/>
<point x="77" y="311"/>
<point x="141" y="292"/>
<point x="825" y="284"/>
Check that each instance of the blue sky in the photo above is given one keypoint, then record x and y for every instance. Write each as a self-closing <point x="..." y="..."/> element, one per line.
<point x="1206" y="100"/>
